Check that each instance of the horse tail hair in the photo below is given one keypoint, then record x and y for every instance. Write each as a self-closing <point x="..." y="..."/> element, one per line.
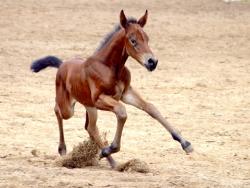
<point x="48" y="61"/>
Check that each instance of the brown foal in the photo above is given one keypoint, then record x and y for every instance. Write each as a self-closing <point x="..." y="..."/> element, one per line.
<point x="102" y="81"/>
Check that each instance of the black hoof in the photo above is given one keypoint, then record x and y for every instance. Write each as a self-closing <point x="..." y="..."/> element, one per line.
<point x="187" y="147"/>
<point x="105" y="152"/>
<point x="62" y="150"/>
<point x="109" y="150"/>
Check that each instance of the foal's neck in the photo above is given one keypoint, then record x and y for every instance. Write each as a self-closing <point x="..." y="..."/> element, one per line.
<point x="114" y="54"/>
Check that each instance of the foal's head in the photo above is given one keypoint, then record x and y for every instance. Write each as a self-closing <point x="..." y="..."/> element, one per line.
<point x="136" y="41"/>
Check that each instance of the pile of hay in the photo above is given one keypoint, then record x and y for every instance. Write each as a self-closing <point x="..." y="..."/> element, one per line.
<point x="133" y="165"/>
<point x="85" y="154"/>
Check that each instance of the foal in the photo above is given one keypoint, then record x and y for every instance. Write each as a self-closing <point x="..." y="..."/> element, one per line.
<point x="102" y="81"/>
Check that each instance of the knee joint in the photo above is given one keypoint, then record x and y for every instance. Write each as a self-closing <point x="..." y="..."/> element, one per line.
<point x="121" y="113"/>
<point x="57" y="111"/>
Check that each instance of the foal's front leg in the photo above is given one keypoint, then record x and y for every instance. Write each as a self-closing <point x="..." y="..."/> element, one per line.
<point x="108" y="103"/>
<point x="133" y="98"/>
<point x="90" y="125"/>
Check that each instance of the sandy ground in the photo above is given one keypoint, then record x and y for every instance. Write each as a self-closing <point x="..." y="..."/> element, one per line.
<point x="202" y="85"/>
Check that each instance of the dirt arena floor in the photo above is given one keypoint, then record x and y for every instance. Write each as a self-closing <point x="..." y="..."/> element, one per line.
<point x="202" y="85"/>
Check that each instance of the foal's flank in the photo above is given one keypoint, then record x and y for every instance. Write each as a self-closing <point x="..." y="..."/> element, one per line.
<point x="102" y="82"/>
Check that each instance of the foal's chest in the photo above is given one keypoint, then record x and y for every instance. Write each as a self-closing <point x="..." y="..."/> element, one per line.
<point x="119" y="88"/>
<point x="115" y="90"/>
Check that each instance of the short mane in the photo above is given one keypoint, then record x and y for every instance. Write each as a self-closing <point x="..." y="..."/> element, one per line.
<point x="117" y="28"/>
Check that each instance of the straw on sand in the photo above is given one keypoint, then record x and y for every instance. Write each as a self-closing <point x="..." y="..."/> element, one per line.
<point x="133" y="165"/>
<point x="85" y="154"/>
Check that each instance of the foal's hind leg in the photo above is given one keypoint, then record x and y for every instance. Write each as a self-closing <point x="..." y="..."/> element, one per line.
<point x="90" y="126"/>
<point x="62" y="146"/>
<point x="133" y="98"/>
<point x="64" y="109"/>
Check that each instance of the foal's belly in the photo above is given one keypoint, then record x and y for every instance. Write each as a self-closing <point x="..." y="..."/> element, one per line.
<point x="82" y="95"/>
<point x="79" y="88"/>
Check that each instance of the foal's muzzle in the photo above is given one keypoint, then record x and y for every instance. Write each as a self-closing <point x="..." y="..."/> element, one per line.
<point x="151" y="63"/>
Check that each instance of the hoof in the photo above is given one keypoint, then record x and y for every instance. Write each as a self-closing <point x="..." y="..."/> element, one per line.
<point x="187" y="147"/>
<point x="105" y="152"/>
<point x="62" y="150"/>
<point x="109" y="150"/>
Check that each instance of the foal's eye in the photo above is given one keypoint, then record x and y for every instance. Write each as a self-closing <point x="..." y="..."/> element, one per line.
<point x="133" y="42"/>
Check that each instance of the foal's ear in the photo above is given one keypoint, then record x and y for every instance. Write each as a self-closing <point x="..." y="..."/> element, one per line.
<point x="123" y="20"/>
<point x="143" y="20"/>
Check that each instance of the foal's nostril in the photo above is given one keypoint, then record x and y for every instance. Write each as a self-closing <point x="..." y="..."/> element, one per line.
<point x="151" y="62"/>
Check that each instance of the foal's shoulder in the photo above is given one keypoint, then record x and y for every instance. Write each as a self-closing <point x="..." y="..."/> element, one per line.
<point x="125" y="76"/>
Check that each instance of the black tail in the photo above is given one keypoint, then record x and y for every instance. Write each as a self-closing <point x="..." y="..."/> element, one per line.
<point x="49" y="61"/>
